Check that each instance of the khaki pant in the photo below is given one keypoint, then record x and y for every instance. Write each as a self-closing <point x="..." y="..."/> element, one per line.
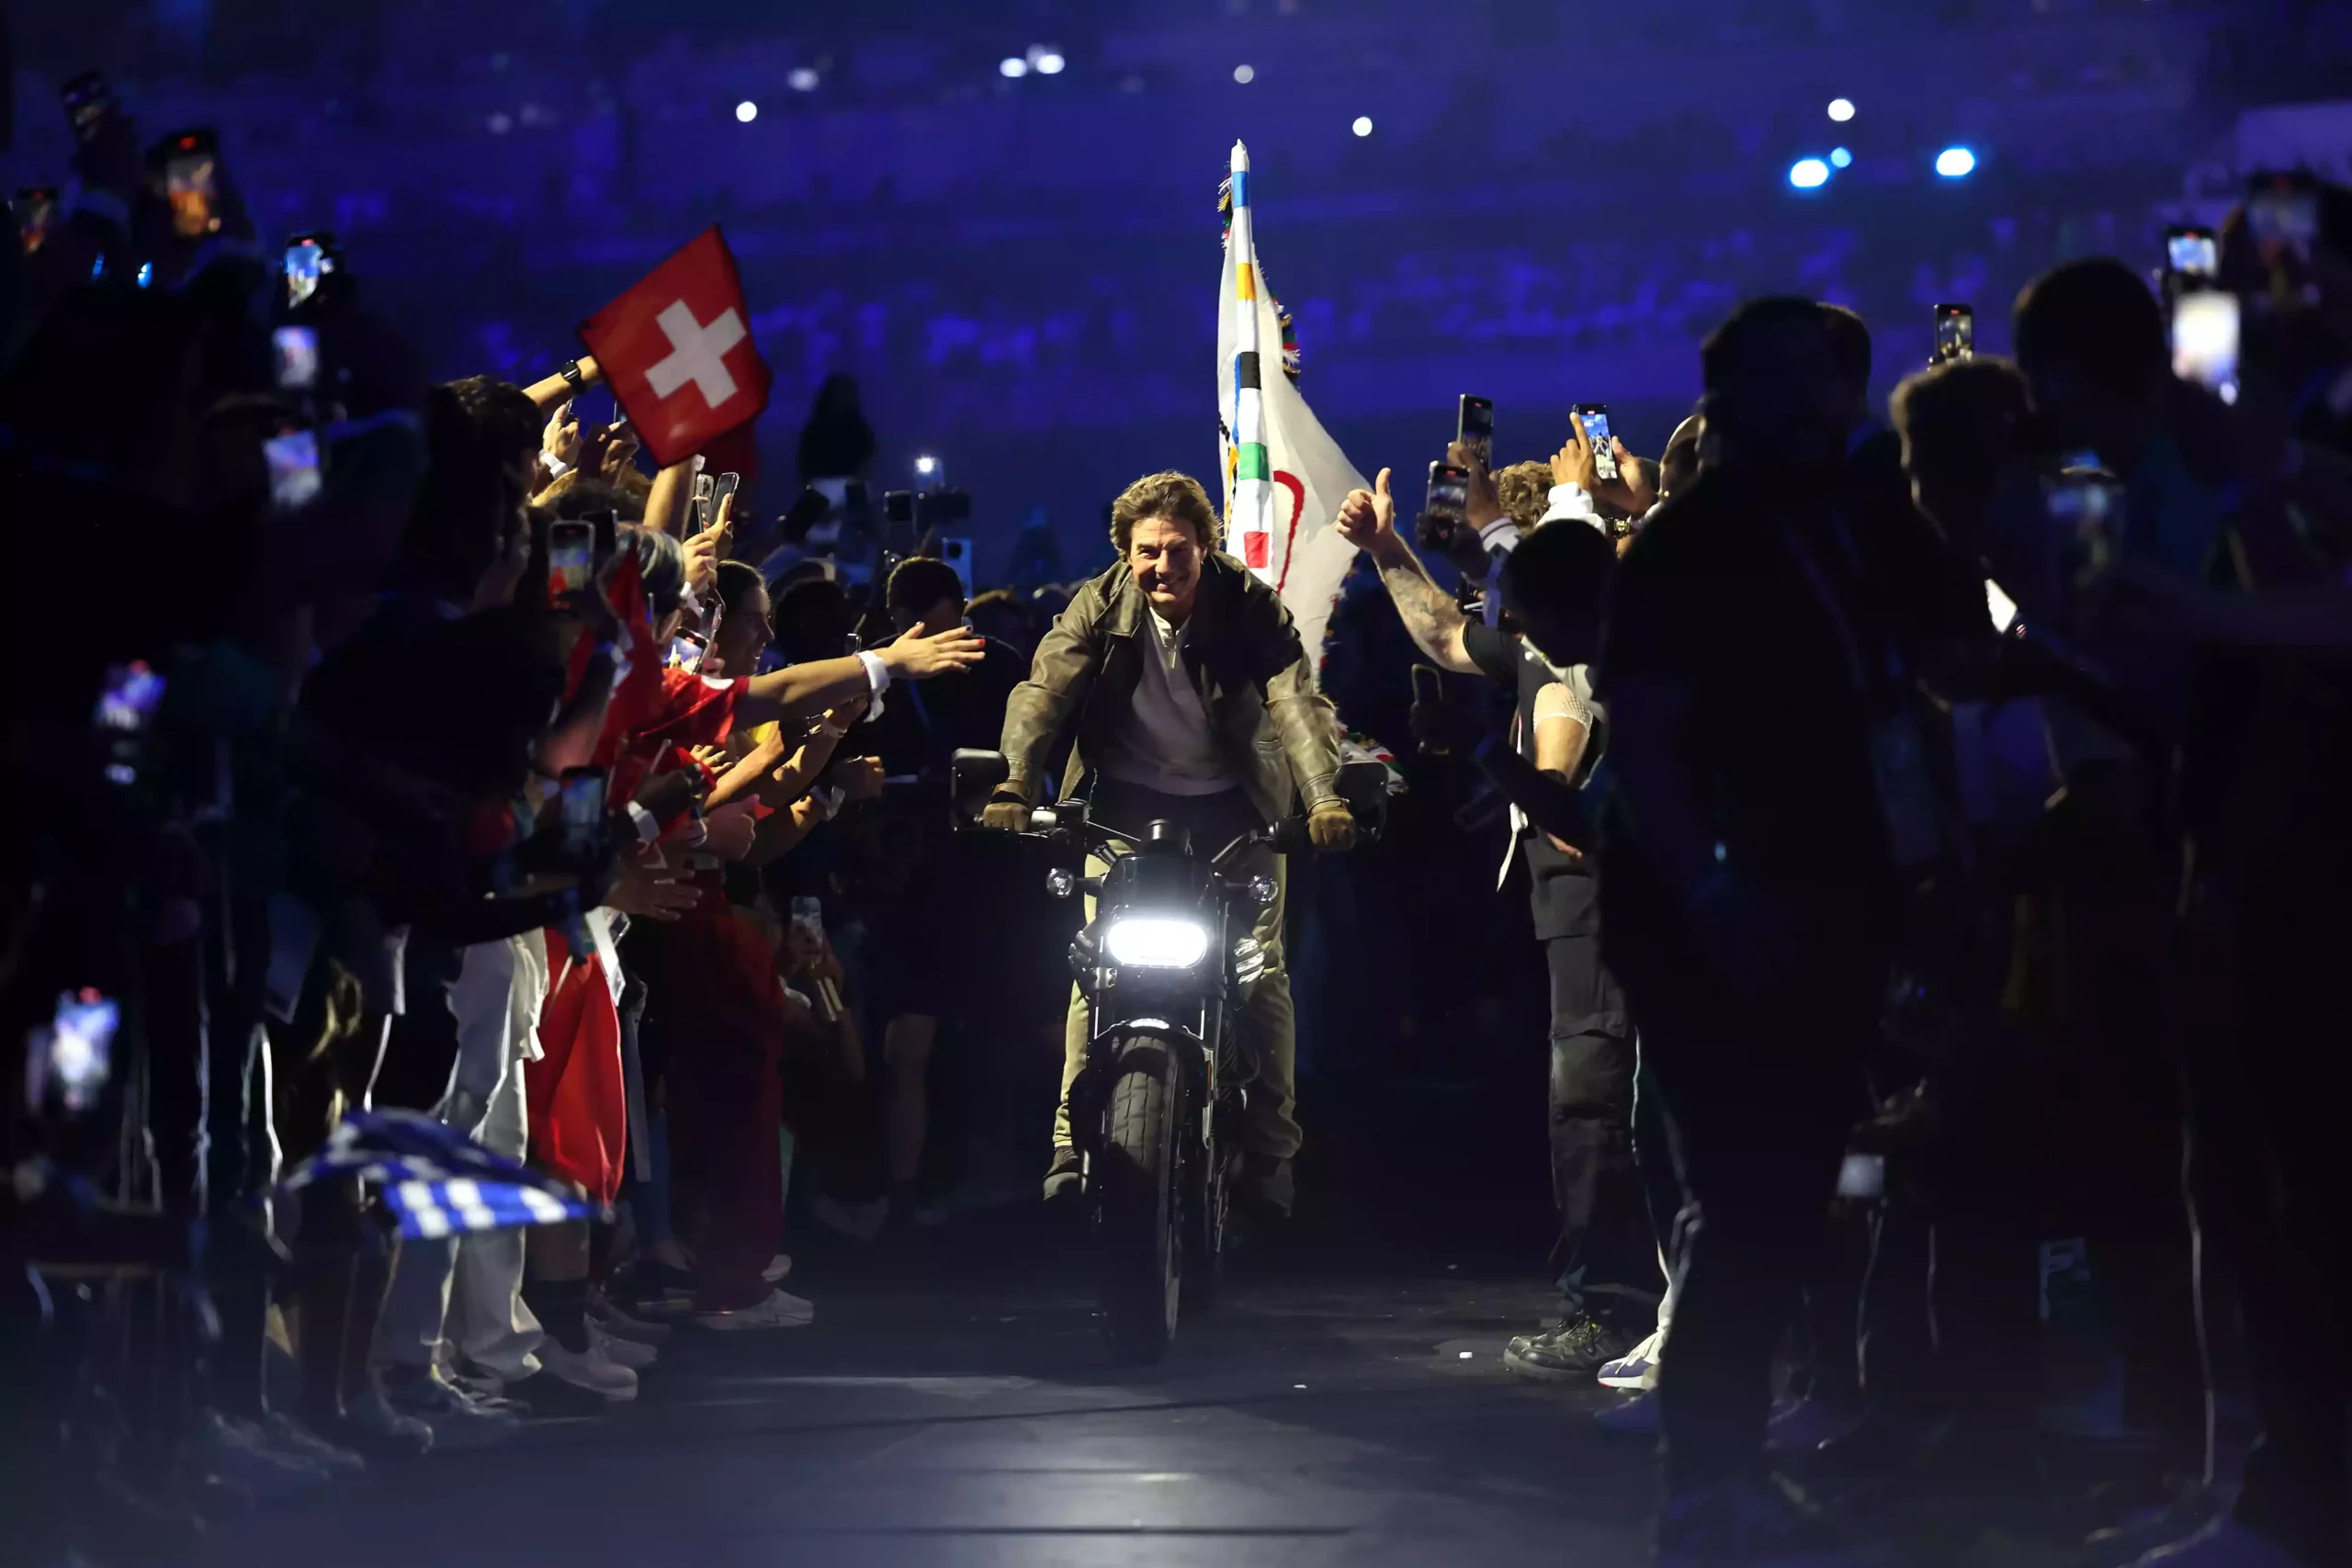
<point x="1267" y="1031"/>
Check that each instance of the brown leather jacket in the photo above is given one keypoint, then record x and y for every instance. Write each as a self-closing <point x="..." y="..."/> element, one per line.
<point x="1257" y="685"/>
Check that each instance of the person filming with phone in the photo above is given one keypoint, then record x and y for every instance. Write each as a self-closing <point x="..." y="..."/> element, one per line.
<point x="1196" y="704"/>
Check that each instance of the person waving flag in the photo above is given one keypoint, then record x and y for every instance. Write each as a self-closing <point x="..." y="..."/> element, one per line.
<point x="677" y="352"/>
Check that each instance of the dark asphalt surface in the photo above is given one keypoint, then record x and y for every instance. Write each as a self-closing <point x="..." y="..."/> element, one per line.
<point x="926" y="1420"/>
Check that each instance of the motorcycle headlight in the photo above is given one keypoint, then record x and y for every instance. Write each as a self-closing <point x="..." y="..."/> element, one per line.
<point x="1144" y="943"/>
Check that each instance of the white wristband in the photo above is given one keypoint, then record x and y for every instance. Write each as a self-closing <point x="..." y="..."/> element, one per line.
<point x="556" y="466"/>
<point x="877" y="674"/>
<point x="649" y="828"/>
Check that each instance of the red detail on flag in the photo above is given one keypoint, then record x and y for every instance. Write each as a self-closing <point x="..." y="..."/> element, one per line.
<point x="677" y="352"/>
<point x="1254" y="548"/>
<point x="1297" y="504"/>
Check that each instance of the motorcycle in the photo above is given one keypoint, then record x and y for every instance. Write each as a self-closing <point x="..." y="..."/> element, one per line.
<point x="1156" y="1111"/>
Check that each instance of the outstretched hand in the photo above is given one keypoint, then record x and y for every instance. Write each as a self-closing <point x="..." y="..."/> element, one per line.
<point x="912" y="657"/>
<point x="1367" y="517"/>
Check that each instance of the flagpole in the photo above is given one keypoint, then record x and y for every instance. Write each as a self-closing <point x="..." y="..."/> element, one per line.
<point x="1251" y="516"/>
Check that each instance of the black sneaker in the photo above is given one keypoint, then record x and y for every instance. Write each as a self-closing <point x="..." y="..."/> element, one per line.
<point x="1573" y="1352"/>
<point x="1751" y="1522"/>
<point x="1266" y="1191"/>
<point x="1065" y="1178"/>
<point x="543" y="1394"/>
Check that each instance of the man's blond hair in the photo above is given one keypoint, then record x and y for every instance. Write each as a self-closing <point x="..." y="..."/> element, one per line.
<point x="1179" y="497"/>
<point x="1525" y="491"/>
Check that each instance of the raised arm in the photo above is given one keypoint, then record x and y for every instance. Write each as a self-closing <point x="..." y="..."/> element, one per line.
<point x="1368" y="520"/>
<point x="799" y="690"/>
<point x="665" y="504"/>
<point x="559" y="388"/>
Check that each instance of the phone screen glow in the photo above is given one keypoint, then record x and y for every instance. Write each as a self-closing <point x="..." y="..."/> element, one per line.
<point x="293" y="459"/>
<point x="2205" y="340"/>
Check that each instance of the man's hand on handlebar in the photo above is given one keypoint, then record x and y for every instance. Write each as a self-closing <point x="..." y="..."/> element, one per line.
<point x="1332" y="826"/>
<point x="1006" y="813"/>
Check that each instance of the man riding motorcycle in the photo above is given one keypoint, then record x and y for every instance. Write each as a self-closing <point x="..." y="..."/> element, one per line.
<point x="1197" y="705"/>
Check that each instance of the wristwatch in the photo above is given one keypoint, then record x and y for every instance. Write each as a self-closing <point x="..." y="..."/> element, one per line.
<point x="571" y="375"/>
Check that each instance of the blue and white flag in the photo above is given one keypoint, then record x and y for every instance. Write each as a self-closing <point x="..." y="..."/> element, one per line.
<point x="438" y="1181"/>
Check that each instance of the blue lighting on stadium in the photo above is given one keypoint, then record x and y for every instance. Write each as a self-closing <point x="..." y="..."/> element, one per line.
<point x="1840" y="157"/>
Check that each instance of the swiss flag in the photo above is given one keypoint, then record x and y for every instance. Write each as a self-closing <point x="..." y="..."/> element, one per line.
<point x="677" y="351"/>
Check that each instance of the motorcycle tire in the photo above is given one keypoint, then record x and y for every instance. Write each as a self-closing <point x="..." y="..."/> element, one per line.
<point x="1138" y="1215"/>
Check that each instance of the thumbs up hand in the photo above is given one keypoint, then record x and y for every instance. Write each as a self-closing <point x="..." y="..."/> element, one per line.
<point x="1368" y="517"/>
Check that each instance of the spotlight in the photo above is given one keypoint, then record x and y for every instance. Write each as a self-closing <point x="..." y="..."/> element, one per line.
<point x="926" y="465"/>
<point x="1047" y="62"/>
<point x="1953" y="162"/>
<point x="801" y="79"/>
<point x="1244" y="74"/>
<point x="746" y="112"/>
<point x="1807" y="172"/>
<point x="1363" y="126"/>
<point x="1840" y="157"/>
<point x="1012" y="68"/>
<point x="1841" y="109"/>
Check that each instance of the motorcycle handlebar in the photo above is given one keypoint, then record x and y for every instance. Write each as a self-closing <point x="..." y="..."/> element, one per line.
<point x="1286" y="837"/>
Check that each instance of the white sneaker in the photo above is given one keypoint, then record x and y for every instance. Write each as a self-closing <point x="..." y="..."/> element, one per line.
<point x="781" y="1310"/>
<point x="778" y="1266"/>
<point x="621" y="1352"/>
<point x="597" y="1374"/>
<point x="2225" y="1544"/>
<point x="1636" y="1369"/>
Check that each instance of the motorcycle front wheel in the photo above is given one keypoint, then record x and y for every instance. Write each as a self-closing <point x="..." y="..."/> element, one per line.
<point x="1139" y="1219"/>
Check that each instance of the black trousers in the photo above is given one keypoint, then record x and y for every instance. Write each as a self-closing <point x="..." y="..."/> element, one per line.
<point x="1950" y="1316"/>
<point x="2269" y="1060"/>
<point x="1608" y="1247"/>
<point x="1763" y="1091"/>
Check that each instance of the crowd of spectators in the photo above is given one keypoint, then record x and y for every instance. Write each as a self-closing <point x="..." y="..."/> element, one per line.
<point x="416" y="746"/>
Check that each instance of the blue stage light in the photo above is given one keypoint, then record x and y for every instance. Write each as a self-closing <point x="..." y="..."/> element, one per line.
<point x="1807" y="172"/>
<point x="1840" y="157"/>
<point x="1953" y="162"/>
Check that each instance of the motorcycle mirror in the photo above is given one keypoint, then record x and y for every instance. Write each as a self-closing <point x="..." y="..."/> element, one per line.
<point x="972" y="775"/>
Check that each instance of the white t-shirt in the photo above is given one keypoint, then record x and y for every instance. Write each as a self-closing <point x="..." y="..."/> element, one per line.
<point x="1166" y="743"/>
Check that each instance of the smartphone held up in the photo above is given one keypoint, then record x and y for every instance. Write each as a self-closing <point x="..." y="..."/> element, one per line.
<point x="1475" y="426"/>
<point x="572" y="557"/>
<point x="1449" y="492"/>
<point x="1594" y="420"/>
<point x="2205" y="341"/>
<point x="2192" y="251"/>
<point x="35" y="211"/>
<point x="190" y="162"/>
<point x="1955" y="333"/>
